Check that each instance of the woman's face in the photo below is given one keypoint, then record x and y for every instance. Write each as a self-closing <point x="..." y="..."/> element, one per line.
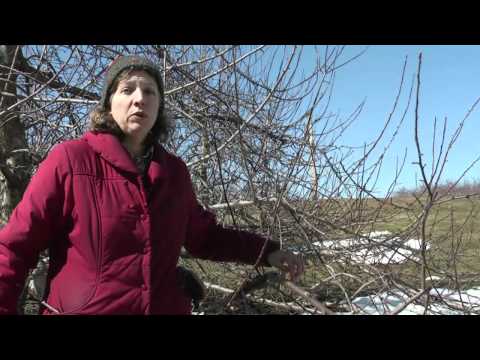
<point x="135" y="104"/>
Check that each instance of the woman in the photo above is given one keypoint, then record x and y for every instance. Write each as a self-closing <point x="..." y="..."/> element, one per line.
<point x="114" y="208"/>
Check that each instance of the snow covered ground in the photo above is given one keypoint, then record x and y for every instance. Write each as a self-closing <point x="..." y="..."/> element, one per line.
<point x="382" y="248"/>
<point x="454" y="303"/>
<point x="374" y="248"/>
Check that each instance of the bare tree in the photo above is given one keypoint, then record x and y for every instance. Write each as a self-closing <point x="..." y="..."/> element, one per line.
<point x="256" y="131"/>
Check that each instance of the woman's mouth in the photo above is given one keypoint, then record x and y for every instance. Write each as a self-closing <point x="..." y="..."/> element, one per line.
<point x="139" y="114"/>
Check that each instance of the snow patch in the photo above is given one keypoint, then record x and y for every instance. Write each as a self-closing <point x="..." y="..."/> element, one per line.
<point x="452" y="302"/>
<point x="373" y="248"/>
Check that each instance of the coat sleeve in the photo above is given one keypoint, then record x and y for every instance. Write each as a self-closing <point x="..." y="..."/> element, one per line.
<point x="206" y="239"/>
<point x="37" y="218"/>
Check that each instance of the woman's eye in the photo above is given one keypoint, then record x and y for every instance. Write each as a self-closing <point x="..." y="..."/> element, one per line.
<point x="126" y="91"/>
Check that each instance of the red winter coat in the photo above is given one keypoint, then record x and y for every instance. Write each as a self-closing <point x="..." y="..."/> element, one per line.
<point x="114" y="244"/>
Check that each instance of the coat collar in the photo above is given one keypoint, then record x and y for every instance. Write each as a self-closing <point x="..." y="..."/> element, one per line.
<point x="109" y="148"/>
<point x="157" y="169"/>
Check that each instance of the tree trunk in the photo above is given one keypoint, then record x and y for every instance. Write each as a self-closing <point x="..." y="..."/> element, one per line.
<point x="15" y="161"/>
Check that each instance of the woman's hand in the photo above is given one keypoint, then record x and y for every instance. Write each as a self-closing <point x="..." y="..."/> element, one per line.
<point x="287" y="262"/>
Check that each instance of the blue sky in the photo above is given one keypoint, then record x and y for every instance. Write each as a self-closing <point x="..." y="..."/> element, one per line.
<point x="450" y="85"/>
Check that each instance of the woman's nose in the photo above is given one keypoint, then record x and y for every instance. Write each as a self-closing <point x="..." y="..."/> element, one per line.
<point x="138" y="96"/>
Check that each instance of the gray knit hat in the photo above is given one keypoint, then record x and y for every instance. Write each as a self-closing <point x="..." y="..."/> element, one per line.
<point x="130" y="62"/>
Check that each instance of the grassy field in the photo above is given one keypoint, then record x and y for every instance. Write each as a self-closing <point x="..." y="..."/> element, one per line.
<point x="452" y="230"/>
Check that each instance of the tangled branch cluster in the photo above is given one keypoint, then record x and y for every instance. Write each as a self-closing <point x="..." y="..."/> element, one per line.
<point x="266" y="154"/>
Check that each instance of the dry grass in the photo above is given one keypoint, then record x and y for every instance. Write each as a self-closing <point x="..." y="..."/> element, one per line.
<point x="453" y="229"/>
